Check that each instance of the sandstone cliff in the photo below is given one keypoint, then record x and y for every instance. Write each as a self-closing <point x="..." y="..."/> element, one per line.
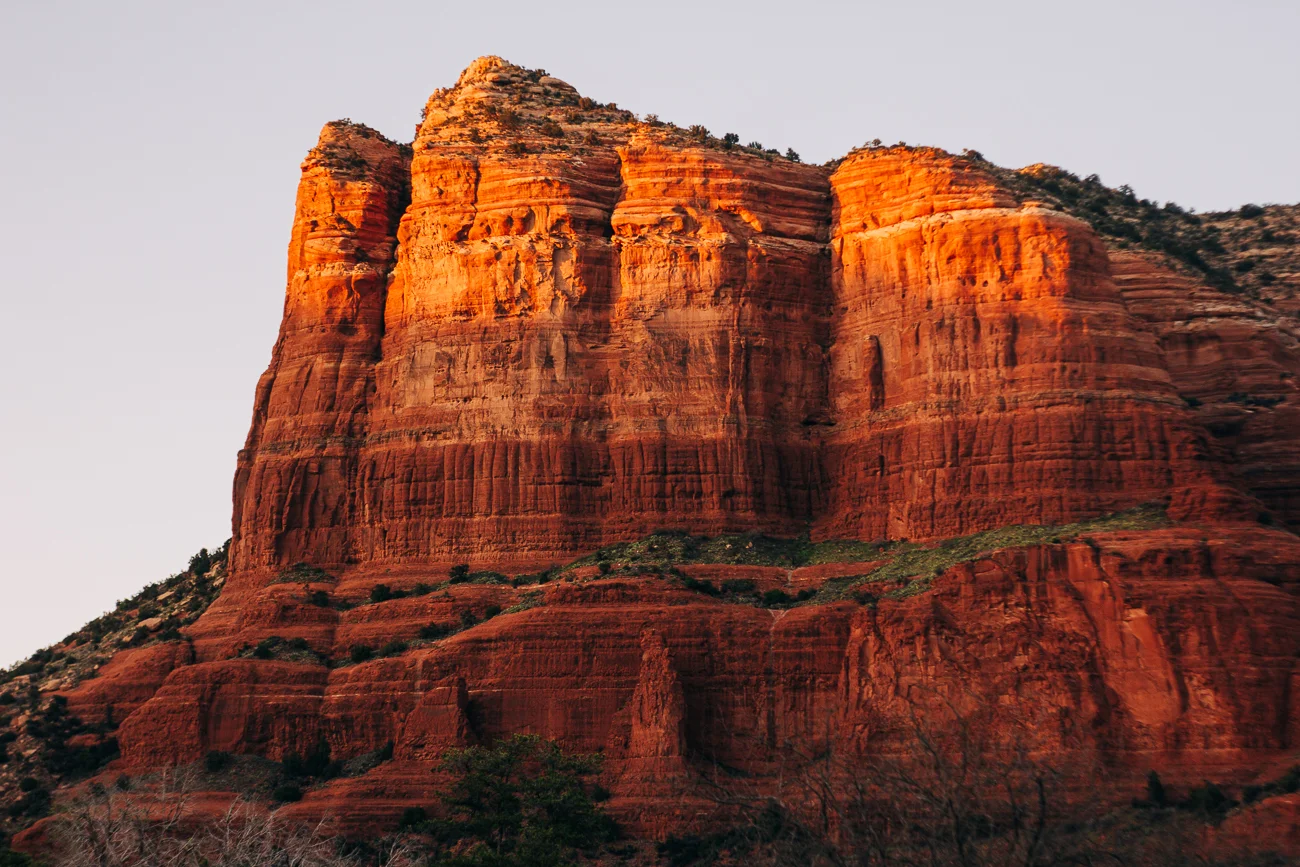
<point x="904" y="406"/>
<point x="583" y="329"/>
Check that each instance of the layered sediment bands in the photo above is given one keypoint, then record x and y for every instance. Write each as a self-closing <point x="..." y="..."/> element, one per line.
<point x="1170" y="649"/>
<point x="127" y="681"/>
<point x="1235" y="362"/>
<point x="239" y="705"/>
<point x="547" y="327"/>
<point x="573" y="350"/>
<point x="294" y="486"/>
<point x="585" y="329"/>
<point x="984" y="369"/>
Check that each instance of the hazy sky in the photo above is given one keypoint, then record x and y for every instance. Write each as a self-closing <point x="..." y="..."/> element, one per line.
<point x="149" y="154"/>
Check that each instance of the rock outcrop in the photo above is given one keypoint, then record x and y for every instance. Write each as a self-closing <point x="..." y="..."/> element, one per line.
<point x="582" y="329"/>
<point x="545" y="327"/>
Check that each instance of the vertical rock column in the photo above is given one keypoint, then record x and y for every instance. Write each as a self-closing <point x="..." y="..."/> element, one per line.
<point x="718" y="325"/>
<point x="294" y="484"/>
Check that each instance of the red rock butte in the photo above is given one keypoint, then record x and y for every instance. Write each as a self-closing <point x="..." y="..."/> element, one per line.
<point x="545" y="327"/>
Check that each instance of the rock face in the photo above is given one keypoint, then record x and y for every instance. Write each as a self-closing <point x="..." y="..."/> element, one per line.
<point x="582" y="329"/>
<point x="1236" y="362"/>
<point x="545" y="327"/>
<point x="1170" y="649"/>
<point x="983" y="367"/>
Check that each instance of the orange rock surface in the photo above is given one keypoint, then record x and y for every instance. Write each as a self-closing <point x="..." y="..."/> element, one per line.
<point x="544" y="327"/>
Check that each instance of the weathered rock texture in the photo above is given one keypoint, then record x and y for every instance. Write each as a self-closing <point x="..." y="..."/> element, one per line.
<point x="583" y="329"/>
<point x="545" y="327"/>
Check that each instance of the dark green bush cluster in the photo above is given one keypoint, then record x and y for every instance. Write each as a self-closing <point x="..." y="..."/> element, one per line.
<point x="1121" y="215"/>
<point x="34" y="664"/>
<point x="730" y="845"/>
<point x="10" y="858"/>
<point x="434" y="631"/>
<point x="216" y="761"/>
<point x="543" y="577"/>
<point x="1287" y="784"/>
<point x="287" y="793"/>
<point x="55" y="727"/>
<point x="1240" y="397"/>
<point x="1207" y="800"/>
<point x="303" y="573"/>
<point x="275" y="647"/>
<point x="315" y="765"/>
<point x="744" y="590"/>
<point x="384" y="593"/>
<point x="460" y="574"/>
<point x="779" y="598"/>
<point x="519" y="803"/>
<point x="34" y="802"/>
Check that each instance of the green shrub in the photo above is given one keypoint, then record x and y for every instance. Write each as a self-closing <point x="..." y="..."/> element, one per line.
<point x="435" y="631"/>
<point x="1209" y="799"/>
<point x="287" y="793"/>
<point x="34" y="804"/>
<point x="412" y="817"/>
<point x="393" y="648"/>
<point x="216" y="761"/>
<point x="200" y="563"/>
<point x="521" y="802"/>
<point x="380" y="593"/>
<point x="459" y="574"/>
<point x="1156" y="795"/>
<point x="706" y="587"/>
<point x="10" y="858"/>
<point x="316" y="763"/>
<point x="776" y="597"/>
<point x="491" y="611"/>
<point x="361" y="653"/>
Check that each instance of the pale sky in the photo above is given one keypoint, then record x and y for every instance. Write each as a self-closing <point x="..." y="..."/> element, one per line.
<point x="149" y="154"/>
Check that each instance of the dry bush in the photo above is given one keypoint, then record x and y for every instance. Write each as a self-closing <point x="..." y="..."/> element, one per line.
<point x="160" y="828"/>
<point x="946" y="786"/>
